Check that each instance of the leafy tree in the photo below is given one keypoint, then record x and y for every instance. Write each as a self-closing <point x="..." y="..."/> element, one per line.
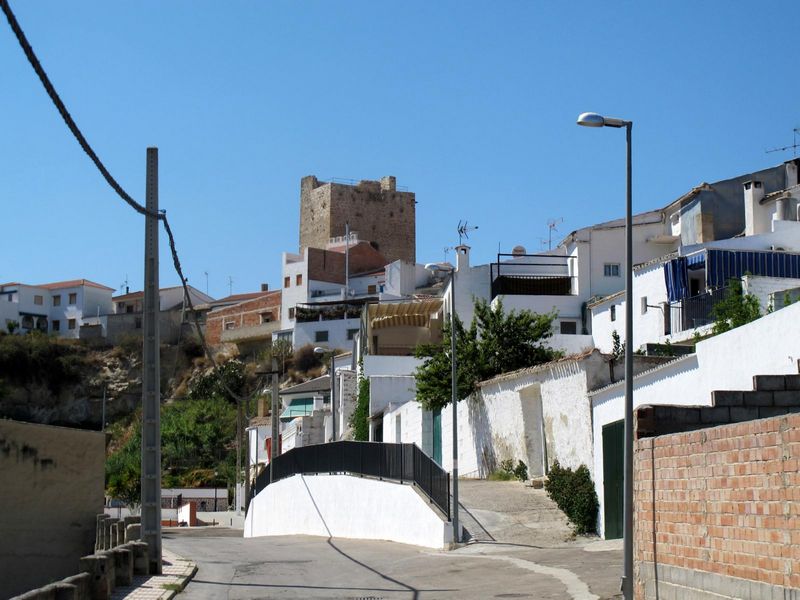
<point x="737" y="308"/>
<point x="496" y="342"/>
<point x="359" y="420"/>
<point x="217" y="382"/>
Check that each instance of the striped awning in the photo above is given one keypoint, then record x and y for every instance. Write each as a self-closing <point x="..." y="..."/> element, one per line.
<point x="399" y="314"/>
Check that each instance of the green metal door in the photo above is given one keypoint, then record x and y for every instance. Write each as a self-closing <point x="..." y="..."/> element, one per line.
<point x="613" y="477"/>
<point x="437" y="436"/>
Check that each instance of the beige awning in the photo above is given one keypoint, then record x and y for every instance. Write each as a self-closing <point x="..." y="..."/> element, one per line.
<point x="395" y="314"/>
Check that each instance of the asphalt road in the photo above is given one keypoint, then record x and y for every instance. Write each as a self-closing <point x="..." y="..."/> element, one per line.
<point x="230" y="566"/>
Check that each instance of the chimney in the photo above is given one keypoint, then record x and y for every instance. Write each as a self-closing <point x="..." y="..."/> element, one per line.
<point x="264" y="287"/>
<point x="462" y="257"/>
<point x="388" y="183"/>
<point x="791" y="173"/>
<point x="755" y="220"/>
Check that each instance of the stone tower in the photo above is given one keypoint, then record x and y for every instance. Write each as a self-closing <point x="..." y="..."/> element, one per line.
<point x="375" y="210"/>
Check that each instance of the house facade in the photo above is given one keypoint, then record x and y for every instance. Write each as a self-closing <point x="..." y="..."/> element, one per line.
<point x="59" y="308"/>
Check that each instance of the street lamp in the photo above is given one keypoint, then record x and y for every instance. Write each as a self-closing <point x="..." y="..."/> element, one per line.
<point x="595" y="120"/>
<point x="435" y="267"/>
<point x="322" y="351"/>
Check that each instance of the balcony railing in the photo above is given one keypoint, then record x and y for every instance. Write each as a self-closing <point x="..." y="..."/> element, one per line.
<point x="695" y="311"/>
<point x="403" y="463"/>
<point x="532" y="275"/>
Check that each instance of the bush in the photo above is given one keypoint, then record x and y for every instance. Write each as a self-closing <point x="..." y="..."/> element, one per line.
<point x="508" y="471"/>
<point x="39" y="358"/>
<point x="573" y="492"/>
<point x="304" y="359"/>
<point x="359" y="420"/>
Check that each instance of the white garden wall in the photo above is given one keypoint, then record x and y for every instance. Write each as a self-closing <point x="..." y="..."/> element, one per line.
<point x="728" y="361"/>
<point x="346" y="507"/>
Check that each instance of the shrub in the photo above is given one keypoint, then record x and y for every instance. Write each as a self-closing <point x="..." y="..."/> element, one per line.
<point x="304" y="359"/>
<point x="573" y="492"/>
<point x="359" y="420"/>
<point x="508" y="471"/>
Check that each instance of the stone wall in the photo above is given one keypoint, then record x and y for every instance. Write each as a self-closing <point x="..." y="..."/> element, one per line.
<point x="52" y="482"/>
<point x="717" y="511"/>
<point x="374" y="209"/>
<point x="245" y="314"/>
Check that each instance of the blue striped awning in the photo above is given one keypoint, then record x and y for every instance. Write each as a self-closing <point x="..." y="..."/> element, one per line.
<point x="724" y="265"/>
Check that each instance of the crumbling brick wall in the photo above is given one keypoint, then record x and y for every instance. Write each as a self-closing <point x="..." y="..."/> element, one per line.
<point x="718" y="510"/>
<point x="244" y="314"/>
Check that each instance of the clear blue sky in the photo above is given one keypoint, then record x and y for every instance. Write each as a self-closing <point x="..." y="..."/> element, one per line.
<point x="471" y="105"/>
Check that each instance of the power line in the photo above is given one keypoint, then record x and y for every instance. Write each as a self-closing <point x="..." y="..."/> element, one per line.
<point x="84" y="144"/>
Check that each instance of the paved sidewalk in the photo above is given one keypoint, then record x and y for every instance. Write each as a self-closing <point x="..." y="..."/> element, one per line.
<point x="176" y="573"/>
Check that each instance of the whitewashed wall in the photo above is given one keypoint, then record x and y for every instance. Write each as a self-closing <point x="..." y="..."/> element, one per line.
<point x="304" y="333"/>
<point x="341" y="506"/>
<point x="763" y="288"/>
<point x="724" y="362"/>
<point x="390" y="389"/>
<point x="390" y="365"/>
<point x="292" y="266"/>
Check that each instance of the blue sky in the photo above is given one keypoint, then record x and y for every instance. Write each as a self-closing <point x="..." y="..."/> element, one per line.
<point x="470" y="105"/>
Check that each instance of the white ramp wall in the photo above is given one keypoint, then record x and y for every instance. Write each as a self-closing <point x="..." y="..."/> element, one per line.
<point x="346" y="507"/>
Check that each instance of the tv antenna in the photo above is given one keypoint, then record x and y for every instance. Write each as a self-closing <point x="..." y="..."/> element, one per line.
<point x="551" y="226"/>
<point x="206" y="274"/>
<point x="794" y="145"/>
<point x="230" y="285"/>
<point x="446" y="250"/>
<point x="463" y="231"/>
<point x="125" y="285"/>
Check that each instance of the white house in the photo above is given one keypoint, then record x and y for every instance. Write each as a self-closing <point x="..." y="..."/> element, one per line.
<point x="59" y="308"/>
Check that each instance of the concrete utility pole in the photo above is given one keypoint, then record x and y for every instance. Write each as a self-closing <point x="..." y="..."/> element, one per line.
<point x="151" y="393"/>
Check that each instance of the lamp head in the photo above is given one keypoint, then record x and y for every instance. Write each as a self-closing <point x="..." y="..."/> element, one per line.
<point x="590" y="119"/>
<point x="320" y="350"/>
<point x="437" y="267"/>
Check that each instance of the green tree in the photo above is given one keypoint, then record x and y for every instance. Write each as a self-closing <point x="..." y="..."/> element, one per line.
<point x="218" y="383"/>
<point x="496" y="342"/>
<point x="737" y="308"/>
<point x="359" y="420"/>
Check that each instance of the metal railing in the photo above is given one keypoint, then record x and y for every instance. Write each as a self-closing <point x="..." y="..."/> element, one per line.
<point x="695" y="311"/>
<point x="532" y="275"/>
<point x="404" y="463"/>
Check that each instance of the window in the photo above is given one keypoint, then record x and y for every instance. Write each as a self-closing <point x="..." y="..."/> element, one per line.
<point x="71" y="323"/>
<point x="371" y="289"/>
<point x="129" y="308"/>
<point x="613" y="313"/>
<point x="569" y="327"/>
<point x="137" y="323"/>
<point x="321" y="336"/>
<point x="266" y="317"/>
<point x="57" y="300"/>
<point x="611" y="270"/>
<point x="38" y="300"/>
<point x="287" y="281"/>
<point x="230" y="325"/>
<point x="73" y="298"/>
<point x="351" y="333"/>
<point x="299" y="279"/>
<point x="56" y="325"/>
<point x="291" y="312"/>
<point x="644" y="304"/>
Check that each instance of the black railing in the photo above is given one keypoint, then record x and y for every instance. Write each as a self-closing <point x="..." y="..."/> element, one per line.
<point x="404" y="463"/>
<point x="695" y="311"/>
<point x="531" y="275"/>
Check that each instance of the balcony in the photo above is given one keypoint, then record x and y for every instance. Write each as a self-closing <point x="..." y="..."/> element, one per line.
<point x="251" y="333"/>
<point x="695" y="311"/>
<point x="532" y="275"/>
<point x="328" y="311"/>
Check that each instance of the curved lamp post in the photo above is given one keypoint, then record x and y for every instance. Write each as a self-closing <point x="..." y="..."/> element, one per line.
<point x="595" y="120"/>
<point x="433" y="268"/>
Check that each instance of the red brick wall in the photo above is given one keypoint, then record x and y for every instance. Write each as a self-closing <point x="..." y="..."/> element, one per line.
<point x="245" y="314"/>
<point x="723" y="500"/>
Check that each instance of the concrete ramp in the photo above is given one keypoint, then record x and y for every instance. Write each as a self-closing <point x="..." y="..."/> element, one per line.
<point x="509" y="512"/>
<point x="344" y="506"/>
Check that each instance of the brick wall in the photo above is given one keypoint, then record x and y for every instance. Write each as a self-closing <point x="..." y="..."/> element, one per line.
<point x="244" y="314"/>
<point x="717" y="511"/>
